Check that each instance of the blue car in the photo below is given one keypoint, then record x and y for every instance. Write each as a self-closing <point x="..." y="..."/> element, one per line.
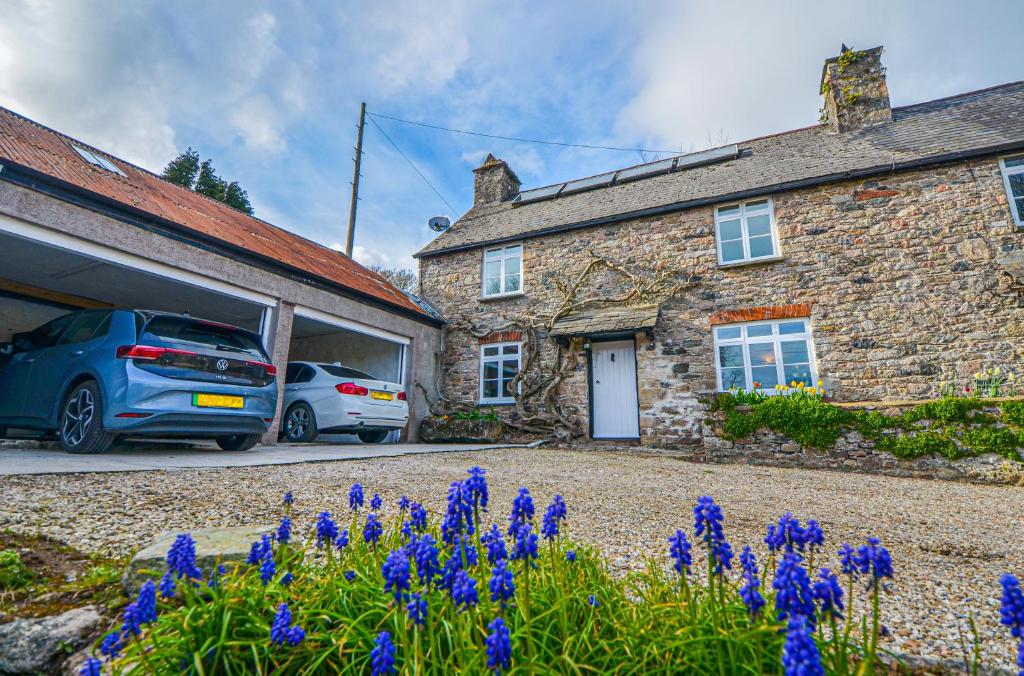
<point x="95" y="375"/>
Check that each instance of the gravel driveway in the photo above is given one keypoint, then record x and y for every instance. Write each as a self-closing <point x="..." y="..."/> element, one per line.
<point x="950" y="542"/>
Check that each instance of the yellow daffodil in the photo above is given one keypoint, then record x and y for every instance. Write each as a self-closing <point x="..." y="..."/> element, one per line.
<point x="979" y="375"/>
<point x="1011" y="377"/>
<point x="811" y="390"/>
<point x="821" y="383"/>
<point x="793" y="384"/>
<point x="996" y="371"/>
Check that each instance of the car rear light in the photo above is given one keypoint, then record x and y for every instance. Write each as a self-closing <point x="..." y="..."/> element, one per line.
<point x="400" y="396"/>
<point x="268" y="420"/>
<point x="133" y="415"/>
<point x="269" y="368"/>
<point x="148" y="352"/>
<point x="352" y="388"/>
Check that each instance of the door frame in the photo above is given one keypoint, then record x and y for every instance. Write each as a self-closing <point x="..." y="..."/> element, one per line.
<point x="611" y="338"/>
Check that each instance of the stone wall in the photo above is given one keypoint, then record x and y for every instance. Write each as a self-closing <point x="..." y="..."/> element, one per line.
<point x="900" y="274"/>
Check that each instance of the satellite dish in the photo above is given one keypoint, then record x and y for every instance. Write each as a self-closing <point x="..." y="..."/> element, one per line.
<point x="439" y="223"/>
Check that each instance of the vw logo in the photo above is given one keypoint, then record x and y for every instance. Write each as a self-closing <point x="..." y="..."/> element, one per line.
<point x="222" y="364"/>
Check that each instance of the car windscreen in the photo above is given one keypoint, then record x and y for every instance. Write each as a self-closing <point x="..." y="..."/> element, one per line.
<point x="345" y="372"/>
<point x="203" y="334"/>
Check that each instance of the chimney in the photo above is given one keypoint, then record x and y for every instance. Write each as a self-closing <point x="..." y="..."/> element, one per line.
<point x="855" y="92"/>
<point x="494" y="181"/>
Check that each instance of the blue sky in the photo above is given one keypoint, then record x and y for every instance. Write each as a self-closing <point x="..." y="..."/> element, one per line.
<point x="271" y="90"/>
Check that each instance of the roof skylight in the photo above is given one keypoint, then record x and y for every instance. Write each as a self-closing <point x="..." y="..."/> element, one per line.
<point x="98" y="160"/>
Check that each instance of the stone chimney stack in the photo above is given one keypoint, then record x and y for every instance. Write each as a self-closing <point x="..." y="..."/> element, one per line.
<point x="494" y="181"/>
<point x="855" y="92"/>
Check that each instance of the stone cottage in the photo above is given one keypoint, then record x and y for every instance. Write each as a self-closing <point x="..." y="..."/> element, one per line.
<point x="878" y="252"/>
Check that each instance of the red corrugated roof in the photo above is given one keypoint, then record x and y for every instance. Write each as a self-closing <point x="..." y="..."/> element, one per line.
<point x="37" y="147"/>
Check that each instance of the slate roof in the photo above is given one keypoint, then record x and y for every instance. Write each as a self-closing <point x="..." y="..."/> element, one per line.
<point x="981" y="122"/>
<point x="26" y="143"/>
<point x="607" y="320"/>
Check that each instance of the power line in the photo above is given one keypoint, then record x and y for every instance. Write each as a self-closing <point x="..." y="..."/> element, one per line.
<point x="515" y="138"/>
<point x="414" y="167"/>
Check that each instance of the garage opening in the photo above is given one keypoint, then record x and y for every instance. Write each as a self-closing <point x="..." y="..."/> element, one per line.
<point x="44" y="274"/>
<point x="324" y="339"/>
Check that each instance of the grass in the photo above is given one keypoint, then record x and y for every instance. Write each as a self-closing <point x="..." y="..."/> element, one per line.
<point x="14" y="574"/>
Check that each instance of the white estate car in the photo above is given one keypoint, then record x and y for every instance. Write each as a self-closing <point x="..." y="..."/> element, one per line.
<point x="340" y="400"/>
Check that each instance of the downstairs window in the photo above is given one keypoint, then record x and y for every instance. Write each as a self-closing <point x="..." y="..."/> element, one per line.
<point x="761" y="355"/>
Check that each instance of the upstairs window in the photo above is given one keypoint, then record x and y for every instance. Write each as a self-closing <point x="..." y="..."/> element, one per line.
<point x="503" y="271"/>
<point x="761" y="355"/>
<point x="1013" y="179"/>
<point x="746" y="232"/>
<point x="499" y="364"/>
<point x="98" y="160"/>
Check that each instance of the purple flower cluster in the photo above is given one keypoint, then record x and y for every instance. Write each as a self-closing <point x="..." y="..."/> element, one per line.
<point x="418" y="517"/>
<point x="382" y="657"/>
<point x="750" y="589"/>
<point x="1011" y="613"/>
<point x="793" y="596"/>
<point x="458" y="518"/>
<point x="396" y="573"/>
<point x="495" y="543"/>
<point x="326" y="529"/>
<point x="553" y="516"/>
<point x="355" y="497"/>
<point x="282" y="631"/>
<point x="464" y="590"/>
<point x="708" y="520"/>
<point x="522" y="510"/>
<point x="284" y="530"/>
<point x="373" y="529"/>
<point x="874" y="560"/>
<point x="525" y="546"/>
<point x="376" y="502"/>
<point x="477" y="485"/>
<point x="259" y="550"/>
<point x="502" y="584"/>
<point x="427" y="565"/>
<point x="499" y="646"/>
<point x="800" y="656"/>
<point x="417" y="609"/>
<point x="829" y="594"/>
<point x="679" y="550"/>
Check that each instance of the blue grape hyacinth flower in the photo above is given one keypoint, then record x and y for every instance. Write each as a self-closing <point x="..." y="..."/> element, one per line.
<point x="289" y="499"/>
<point x="829" y="594"/>
<point x="495" y="543"/>
<point x="848" y="560"/>
<point x="259" y="549"/>
<point x="525" y="546"/>
<point x="418" y="516"/>
<point x="477" y="484"/>
<point x="570" y="556"/>
<point x="417" y="609"/>
<point x="403" y="504"/>
<point x="458" y="517"/>
<point x="373" y="529"/>
<point x="800" y="656"/>
<point x="376" y="502"/>
<point x="355" y="496"/>
<point x="382" y="657"/>
<point x="146" y="602"/>
<point x="499" y="646"/>
<point x="342" y="540"/>
<point x="181" y="558"/>
<point x="282" y="631"/>
<point x="112" y="644"/>
<point x="502" y="584"/>
<point x="793" y="595"/>
<point x="1011" y="613"/>
<point x="268" y="569"/>
<point x="464" y="590"/>
<point x="708" y="520"/>
<point x="396" y="573"/>
<point x="874" y="560"/>
<point x="594" y="603"/>
<point x="788" y="535"/>
<point x="679" y="550"/>
<point x="522" y="510"/>
<point x="326" y="529"/>
<point x="549" y="526"/>
<point x="350" y="575"/>
<point x="750" y="591"/>
<point x="427" y="566"/>
<point x="284" y="530"/>
<point x="814" y="537"/>
<point x="91" y="667"/>
<point x="167" y="586"/>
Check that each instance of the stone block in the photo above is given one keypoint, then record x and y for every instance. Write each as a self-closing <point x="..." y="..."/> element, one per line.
<point x="32" y="646"/>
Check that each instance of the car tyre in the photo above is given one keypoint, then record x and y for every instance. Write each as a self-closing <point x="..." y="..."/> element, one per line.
<point x="238" y="442"/>
<point x="81" y="421"/>
<point x="373" y="436"/>
<point x="300" y="424"/>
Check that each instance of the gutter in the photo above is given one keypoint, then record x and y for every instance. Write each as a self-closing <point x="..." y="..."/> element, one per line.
<point x="72" y="194"/>
<point x="673" y="207"/>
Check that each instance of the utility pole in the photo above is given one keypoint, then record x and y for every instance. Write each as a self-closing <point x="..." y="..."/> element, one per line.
<point x="355" y="182"/>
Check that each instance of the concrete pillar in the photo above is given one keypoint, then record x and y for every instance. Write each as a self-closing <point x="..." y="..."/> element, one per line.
<point x="278" y="341"/>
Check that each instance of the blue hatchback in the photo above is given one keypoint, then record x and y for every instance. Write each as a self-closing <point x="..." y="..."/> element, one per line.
<point x="95" y="375"/>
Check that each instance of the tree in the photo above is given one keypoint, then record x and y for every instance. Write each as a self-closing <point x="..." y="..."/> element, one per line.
<point x="185" y="170"/>
<point x="403" y="278"/>
<point x="182" y="170"/>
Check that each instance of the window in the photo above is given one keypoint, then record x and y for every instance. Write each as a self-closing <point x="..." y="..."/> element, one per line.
<point x="761" y="355"/>
<point x="499" y="364"/>
<point x="746" y="232"/>
<point x="46" y="335"/>
<point x="298" y="373"/>
<point x="503" y="270"/>
<point x="90" y="325"/>
<point x="345" y="372"/>
<point x="98" y="160"/>
<point x="1013" y="179"/>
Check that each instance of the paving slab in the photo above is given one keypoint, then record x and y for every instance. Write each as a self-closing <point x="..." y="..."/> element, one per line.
<point x="47" y="459"/>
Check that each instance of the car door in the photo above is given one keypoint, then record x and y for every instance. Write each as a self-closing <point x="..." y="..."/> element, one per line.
<point x="62" y="361"/>
<point x="16" y="379"/>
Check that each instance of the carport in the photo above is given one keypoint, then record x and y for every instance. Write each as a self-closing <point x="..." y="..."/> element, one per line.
<point x="320" y="337"/>
<point x="44" y="274"/>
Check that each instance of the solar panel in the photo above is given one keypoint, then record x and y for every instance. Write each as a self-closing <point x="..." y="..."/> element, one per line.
<point x="598" y="181"/>
<point x="538" y="193"/>
<point x="659" y="167"/>
<point x="722" y="154"/>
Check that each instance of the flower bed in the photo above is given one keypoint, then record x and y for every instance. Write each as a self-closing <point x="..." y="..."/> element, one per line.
<point x="463" y="427"/>
<point x="354" y="594"/>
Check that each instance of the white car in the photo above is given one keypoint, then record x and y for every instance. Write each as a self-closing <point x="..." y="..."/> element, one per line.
<point x="336" y="399"/>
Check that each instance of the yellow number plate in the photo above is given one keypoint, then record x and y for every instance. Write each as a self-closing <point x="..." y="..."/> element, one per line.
<point x="386" y="396"/>
<point x="217" y="401"/>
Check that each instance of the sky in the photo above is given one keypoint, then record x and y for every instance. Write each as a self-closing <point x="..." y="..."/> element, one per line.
<point x="271" y="90"/>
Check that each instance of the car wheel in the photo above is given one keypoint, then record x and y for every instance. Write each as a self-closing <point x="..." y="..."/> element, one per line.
<point x="81" y="421"/>
<point x="300" y="423"/>
<point x="373" y="436"/>
<point x="238" y="442"/>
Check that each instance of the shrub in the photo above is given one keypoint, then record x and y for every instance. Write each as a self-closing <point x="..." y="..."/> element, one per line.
<point x="1013" y="413"/>
<point x="1001" y="441"/>
<point x="946" y="410"/>
<point x="909" y="446"/>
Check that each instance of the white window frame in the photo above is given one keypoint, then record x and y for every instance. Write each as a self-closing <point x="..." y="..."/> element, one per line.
<point x="775" y="339"/>
<point x="747" y="258"/>
<point x="98" y="160"/>
<point x="1018" y="218"/>
<point x="505" y="257"/>
<point x="498" y="358"/>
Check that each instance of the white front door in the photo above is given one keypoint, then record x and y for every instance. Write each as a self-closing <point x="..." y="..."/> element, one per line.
<point x="615" y="410"/>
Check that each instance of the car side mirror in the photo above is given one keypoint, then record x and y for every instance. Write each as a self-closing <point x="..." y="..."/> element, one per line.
<point x="6" y="349"/>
